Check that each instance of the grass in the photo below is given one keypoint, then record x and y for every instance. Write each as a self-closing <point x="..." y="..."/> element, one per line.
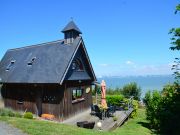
<point x="35" y="127"/>
<point x="137" y="126"/>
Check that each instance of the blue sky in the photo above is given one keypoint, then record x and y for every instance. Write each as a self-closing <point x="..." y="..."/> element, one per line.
<point x="123" y="37"/>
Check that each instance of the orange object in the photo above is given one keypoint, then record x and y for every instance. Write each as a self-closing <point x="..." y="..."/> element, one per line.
<point x="48" y="116"/>
<point x="103" y="94"/>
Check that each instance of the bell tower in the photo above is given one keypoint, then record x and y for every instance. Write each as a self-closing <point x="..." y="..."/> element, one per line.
<point x="71" y="31"/>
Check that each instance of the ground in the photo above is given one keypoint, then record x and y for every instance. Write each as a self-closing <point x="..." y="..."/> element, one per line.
<point x="139" y="125"/>
<point x="35" y="127"/>
<point x="7" y="129"/>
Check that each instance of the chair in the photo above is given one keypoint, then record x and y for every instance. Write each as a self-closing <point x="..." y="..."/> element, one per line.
<point x="98" y="112"/>
<point x="110" y="111"/>
<point x="92" y="110"/>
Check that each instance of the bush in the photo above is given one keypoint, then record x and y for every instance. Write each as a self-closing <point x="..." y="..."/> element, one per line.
<point x="115" y="118"/>
<point x="152" y="101"/>
<point x="135" y="107"/>
<point x="163" y="109"/>
<point x="113" y="91"/>
<point x="114" y="99"/>
<point x="18" y="115"/>
<point x="28" y="115"/>
<point x="132" y="89"/>
<point x="7" y="112"/>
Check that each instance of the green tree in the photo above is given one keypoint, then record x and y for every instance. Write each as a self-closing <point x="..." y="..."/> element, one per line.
<point x="175" y="32"/>
<point x="132" y="89"/>
<point x="163" y="109"/>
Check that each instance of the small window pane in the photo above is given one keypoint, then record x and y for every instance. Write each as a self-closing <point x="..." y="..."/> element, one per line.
<point x="10" y="65"/>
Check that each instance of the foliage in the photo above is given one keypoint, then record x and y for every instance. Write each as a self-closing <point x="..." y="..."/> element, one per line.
<point x="135" y="107"/>
<point x="18" y="114"/>
<point x="28" y="115"/>
<point x="9" y="112"/>
<point x="152" y="101"/>
<point x="132" y="89"/>
<point x="175" y="32"/>
<point x="115" y="118"/>
<point x="113" y="91"/>
<point x="163" y="109"/>
<point x="6" y="112"/>
<point x="114" y="99"/>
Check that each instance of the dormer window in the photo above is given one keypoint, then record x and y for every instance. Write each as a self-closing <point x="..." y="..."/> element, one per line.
<point x="31" y="61"/>
<point x="10" y="65"/>
<point x="77" y="65"/>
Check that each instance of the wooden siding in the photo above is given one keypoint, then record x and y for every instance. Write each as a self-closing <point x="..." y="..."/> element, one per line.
<point x="71" y="109"/>
<point x="52" y="99"/>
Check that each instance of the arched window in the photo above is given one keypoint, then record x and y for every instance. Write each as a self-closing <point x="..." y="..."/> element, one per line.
<point x="77" y="65"/>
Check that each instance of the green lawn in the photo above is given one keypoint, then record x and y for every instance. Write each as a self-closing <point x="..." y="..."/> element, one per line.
<point x="137" y="126"/>
<point x="36" y="127"/>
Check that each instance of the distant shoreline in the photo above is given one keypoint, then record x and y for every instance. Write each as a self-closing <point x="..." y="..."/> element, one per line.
<point x="150" y="82"/>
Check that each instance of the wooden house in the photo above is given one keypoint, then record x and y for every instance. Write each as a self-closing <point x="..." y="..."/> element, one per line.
<point x="53" y="77"/>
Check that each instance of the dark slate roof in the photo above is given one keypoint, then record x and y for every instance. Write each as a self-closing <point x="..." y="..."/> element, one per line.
<point x="71" y="26"/>
<point x="50" y="66"/>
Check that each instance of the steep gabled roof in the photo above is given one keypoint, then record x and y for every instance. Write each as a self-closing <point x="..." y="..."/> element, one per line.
<point x="71" y="26"/>
<point x="50" y="65"/>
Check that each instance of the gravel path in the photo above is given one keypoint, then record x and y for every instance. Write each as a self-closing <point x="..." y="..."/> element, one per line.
<point x="6" y="129"/>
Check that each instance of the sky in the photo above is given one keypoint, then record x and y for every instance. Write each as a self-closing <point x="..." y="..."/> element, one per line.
<point x="122" y="37"/>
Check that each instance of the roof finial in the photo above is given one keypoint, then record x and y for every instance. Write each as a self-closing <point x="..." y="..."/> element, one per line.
<point x="71" y="18"/>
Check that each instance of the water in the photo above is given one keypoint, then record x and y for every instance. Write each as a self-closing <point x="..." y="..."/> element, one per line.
<point x="145" y="82"/>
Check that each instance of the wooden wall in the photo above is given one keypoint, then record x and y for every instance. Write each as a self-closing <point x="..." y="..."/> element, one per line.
<point x="58" y="103"/>
<point x="71" y="109"/>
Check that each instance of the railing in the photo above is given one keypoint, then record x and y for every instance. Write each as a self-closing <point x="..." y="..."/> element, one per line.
<point x="130" y="105"/>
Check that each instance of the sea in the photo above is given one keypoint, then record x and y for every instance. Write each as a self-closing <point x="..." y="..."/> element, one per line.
<point x="146" y="83"/>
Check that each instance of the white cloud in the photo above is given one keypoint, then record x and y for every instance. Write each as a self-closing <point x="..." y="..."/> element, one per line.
<point x="129" y="62"/>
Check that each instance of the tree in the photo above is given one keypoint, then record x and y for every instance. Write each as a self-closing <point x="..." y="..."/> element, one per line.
<point x="175" y="32"/>
<point x="163" y="109"/>
<point x="132" y="89"/>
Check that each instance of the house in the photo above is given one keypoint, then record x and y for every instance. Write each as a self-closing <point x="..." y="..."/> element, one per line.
<point x="53" y="77"/>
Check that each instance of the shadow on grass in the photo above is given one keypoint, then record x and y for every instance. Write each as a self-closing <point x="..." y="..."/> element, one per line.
<point x="147" y="125"/>
<point x="144" y="124"/>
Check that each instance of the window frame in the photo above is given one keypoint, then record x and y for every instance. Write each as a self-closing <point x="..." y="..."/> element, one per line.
<point x="77" y="65"/>
<point x="75" y="92"/>
<point x="10" y="65"/>
<point x="30" y="63"/>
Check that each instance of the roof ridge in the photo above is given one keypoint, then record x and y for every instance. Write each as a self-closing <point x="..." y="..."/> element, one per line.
<point x="35" y="45"/>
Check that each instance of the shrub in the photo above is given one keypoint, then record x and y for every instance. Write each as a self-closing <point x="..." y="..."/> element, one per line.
<point x="135" y="108"/>
<point x="132" y="89"/>
<point x="114" y="99"/>
<point x="152" y="101"/>
<point x="115" y="118"/>
<point x="18" y="115"/>
<point x="113" y="91"/>
<point x="6" y="112"/>
<point x="28" y="115"/>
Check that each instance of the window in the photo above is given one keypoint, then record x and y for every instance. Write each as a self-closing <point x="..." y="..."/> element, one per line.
<point x="32" y="61"/>
<point x="77" y="94"/>
<point x="10" y="65"/>
<point x="77" y="65"/>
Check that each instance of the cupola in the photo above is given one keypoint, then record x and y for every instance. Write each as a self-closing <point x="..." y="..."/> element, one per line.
<point x="71" y="31"/>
